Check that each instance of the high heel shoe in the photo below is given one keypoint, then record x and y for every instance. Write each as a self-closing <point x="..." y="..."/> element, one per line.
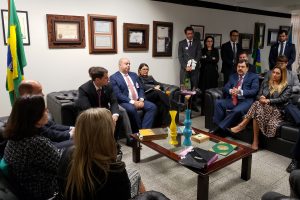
<point x="237" y="128"/>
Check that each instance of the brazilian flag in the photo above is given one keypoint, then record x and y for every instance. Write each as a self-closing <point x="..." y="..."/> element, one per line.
<point x="16" y="59"/>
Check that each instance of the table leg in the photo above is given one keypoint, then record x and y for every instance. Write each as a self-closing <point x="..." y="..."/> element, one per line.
<point x="202" y="187"/>
<point x="136" y="151"/>
<point x="246" y="168"/>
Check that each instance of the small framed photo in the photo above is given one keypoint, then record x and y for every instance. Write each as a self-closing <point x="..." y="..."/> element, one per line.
<point x="23" y="20"/>
<point x="217" y="38"/>
<point x="259" y="32"/>
<point x="162" y="39"/>
<point x="198" y="31"/>
<point x="272" y="36"/>
<point x="102" y="34"/>
<point x="136" y="37"/>
<point x="65" y="31"/>
<point x="246" y="39"/>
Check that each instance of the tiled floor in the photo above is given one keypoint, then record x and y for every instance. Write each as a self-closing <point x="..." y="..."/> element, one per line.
<point x="178" y="183"/>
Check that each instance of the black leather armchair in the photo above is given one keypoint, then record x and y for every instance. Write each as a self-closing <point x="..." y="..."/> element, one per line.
<point x="287" y="132"/>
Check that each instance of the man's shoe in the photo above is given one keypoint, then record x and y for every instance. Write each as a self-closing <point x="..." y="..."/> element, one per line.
<point x="292" y="166"/>
<point x="215" y="130"/>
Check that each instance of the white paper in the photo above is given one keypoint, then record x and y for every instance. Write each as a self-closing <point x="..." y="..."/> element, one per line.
<point x="245" y="43"/>
<point x="102" y="26"/>
<point x="273" y="37"/>
<point x="162" y="31"/>
<point x="103" y="42"/>
<point x="136" y="37"/>
<point x="161" y="45"/>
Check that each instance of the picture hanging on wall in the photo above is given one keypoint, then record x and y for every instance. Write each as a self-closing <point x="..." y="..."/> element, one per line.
<point x="65" y="31"/>
<point x="23" y="20"/>
<point x="272" y="36"/>
<point x="217" y="38"/>
<point x="102" y="34"/>
<point x="162" y="39"/>
<point x="246" y="40"/>
<point x="198" y="31"/>
<point x="136" y="37"/>
<point x="259" y="34"/>
<point x="287" y="28"/>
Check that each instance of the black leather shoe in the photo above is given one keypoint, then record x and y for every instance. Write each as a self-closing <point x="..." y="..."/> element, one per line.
<point x="215" y="130"/>
<point x="292" y="166"/>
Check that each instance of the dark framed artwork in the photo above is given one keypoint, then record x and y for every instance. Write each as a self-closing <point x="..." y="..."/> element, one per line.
<point x="102" y="34"/>
<point x="217" y="39"/>
<point x="259" y="33"/>
<point x="246" y="40"/>
<point x="23" y="20"/>
<point x="198" y="32"/>
<point x="162" y="39"/>
<point x="272" y="36"/>
<point x="287" y="28"/>
<point x="136" y="37"/>
<point x="65" y="31"/>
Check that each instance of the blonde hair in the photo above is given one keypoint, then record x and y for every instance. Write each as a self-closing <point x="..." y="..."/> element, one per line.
<point x="283" y="81"/>
<point x="94" y="146"/>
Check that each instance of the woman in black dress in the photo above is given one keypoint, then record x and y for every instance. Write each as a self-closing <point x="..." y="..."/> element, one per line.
<point x="154" y="92"/>
<point x="209" y="67"/>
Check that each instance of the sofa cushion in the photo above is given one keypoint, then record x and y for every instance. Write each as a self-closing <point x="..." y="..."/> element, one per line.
<point x="289" y="132"/>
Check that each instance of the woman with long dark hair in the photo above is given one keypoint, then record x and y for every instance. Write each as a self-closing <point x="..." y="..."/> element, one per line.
<point x="32" y="159"/>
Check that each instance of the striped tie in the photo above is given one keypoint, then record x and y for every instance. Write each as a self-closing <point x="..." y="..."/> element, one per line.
<point x="131" y="88"/>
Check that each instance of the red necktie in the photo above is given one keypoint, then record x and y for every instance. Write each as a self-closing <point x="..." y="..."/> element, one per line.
<point x="131" y="88"/>
<point x="234" y="97"/>
<point x="99" y="97"/>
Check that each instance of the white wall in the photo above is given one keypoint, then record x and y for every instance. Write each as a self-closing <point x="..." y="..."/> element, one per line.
<point x="63" y="69"/>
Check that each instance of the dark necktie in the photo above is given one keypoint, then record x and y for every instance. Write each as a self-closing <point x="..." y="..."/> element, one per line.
<point x="190" y="43"/>
<point x="99" y="97"/>
<point x="281" y="49"/>
<point x="234" y="51"/>
<point x="234" y="97"/>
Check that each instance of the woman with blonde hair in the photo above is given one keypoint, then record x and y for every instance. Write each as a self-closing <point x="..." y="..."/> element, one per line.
<point x="266" y="111"/>
<point x="92" y="171"/>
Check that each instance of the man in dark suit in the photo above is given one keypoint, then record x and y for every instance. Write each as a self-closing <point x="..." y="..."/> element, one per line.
<point x="229" y="52"/>
<point x="283" y="47"/>
<point x="189" y="49"/>
<point x="97" y="92"/>
<point x="240" y="92"/>
<point x="130" y="95"/>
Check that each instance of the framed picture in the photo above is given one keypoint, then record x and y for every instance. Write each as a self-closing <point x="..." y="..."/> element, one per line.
<point x="65" y="31"/>
<point x="136" y="37"/>
<point x="23" y="19"/>
<point x="246" y="40"/>
<point x="287" y="28"/>
<point x="259" y="32"/>
<point x="198" y="31"/>
<point x="217" y="38"/>
<point x="102" y="34"/>
<point x="162" y="39"/>
<point x="272" y="36"/>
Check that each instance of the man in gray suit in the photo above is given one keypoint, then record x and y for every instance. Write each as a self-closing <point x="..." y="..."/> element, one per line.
<point x="189" y="49"/>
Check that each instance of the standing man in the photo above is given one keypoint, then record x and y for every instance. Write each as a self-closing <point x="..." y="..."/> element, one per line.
<point x="97" y="92"/>
<point x="130" y="96"/>
<point x="282" y="48"/>
<point x="229" y="52"/>
<point x="240" y="92"/>
<point x="189" y="49"/>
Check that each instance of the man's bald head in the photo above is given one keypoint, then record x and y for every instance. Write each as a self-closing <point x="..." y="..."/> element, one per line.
<point x="30" y="87"/>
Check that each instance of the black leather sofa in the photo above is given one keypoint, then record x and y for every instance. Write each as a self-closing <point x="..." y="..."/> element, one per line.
<point x="282" y="144"/>
<point x="61" y="105"/>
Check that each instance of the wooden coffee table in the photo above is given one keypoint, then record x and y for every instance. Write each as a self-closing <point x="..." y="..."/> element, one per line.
<point x="162" y="147"/>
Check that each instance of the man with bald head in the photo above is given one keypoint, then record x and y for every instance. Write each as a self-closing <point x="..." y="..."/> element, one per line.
<point x="60" y="135"/>
<point x="130" y="95"/>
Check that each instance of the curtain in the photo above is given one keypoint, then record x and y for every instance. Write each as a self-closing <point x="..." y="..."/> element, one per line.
<point x="296" y="40"/>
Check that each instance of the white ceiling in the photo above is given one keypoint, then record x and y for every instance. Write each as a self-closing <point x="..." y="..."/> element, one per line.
<point x="283" y="6"/>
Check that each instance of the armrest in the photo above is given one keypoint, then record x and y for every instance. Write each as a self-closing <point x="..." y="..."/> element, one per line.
<point x="296" y="99"/>
<point x="211" y="95"/>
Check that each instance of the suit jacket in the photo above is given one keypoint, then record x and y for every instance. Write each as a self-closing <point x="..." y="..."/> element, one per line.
<point x="250" y="86"/>
<point x="228" y="57"/>
<point x="55" y="132"/>
<point x="121" y="89"/>
<point x="186" y="53"/>
<point x="88" y="98"/>
<point x="276" y="99"/>
<point x="292" y="79"/>
<point x="289" y="52"/>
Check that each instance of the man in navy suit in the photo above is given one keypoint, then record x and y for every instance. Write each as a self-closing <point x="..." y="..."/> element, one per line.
<point x="229" y="52"/>
<point x="240" y="92"/>
<point x="282" y="48"/>
<point x="130" y="95"/>
<point x="97" y="92"/>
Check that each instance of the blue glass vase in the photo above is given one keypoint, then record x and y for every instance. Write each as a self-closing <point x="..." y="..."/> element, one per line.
<point x="187" y="131"/>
